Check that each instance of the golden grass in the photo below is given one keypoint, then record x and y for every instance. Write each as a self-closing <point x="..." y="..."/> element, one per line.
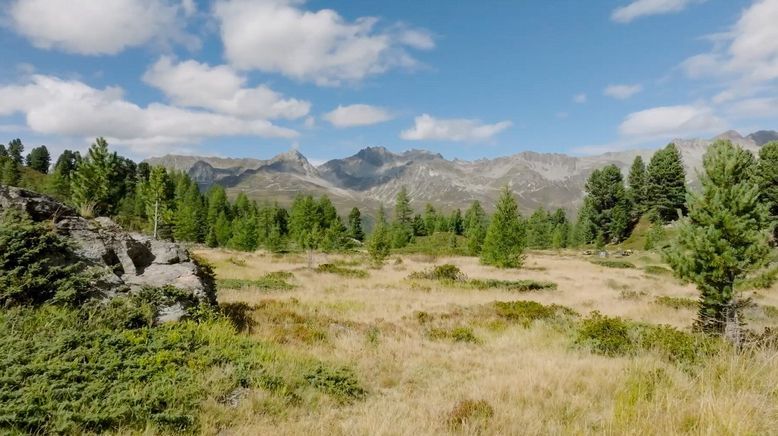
<point x="533" y="378"/>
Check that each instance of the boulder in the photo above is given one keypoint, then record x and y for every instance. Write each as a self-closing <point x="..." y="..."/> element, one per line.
<point x="124" y="262"/>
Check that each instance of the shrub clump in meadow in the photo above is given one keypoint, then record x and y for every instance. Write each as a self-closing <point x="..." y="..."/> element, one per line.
<point x="676" y="302"/>
<point x="445" y="273"/>
<point x="342" y="271"/>
<point x="657" y="270"/>
<point x="612" y="263"/>
<point x="614" y="336"/>
<point x="512" y="285"/>
<point x="456" y="334"/>
<point x="526" y="312"/>
<point x="272" y="281"/>
<point x="467" y="412"/>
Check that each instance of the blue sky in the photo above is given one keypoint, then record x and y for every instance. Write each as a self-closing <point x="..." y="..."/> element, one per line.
<point x="468" y="79"/>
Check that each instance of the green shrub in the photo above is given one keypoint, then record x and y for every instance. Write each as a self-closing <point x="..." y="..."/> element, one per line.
<point x="469" y="411"/>
<point x="437" y="244"/>
<point x="340" y="383"/>
<point x="342" y="271"/>
<point x="657" y="270"/>
<point x="445" y="272"/>
<point x="423" y="317"/>
<point x="677" y="346"/>
<point x="511" y="285"/>
<point x="272" y="281"/>
<point x="606" y="335"/>
<point x="456" y="334"/>
<point x="610" y="263"/>
<point x="72" y="371"/>
<point x="37" y="266"/>
<point x="676" y="302"/>
<point x="525" y="312"/>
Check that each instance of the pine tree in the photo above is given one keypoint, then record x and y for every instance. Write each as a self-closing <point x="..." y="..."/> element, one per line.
<point x="609" y="208"/>
<point x="583" y="232"/>
<point x="355" y="225"/>
<point x="378" y="244"/>
<point x="3" y="151"/>
<point x="456" y="224"/>
<point x="430" y="219"/>
<point x="190" y="216"/>
<point x="506" y="237"/>
<point x="666" y="184"/>
<point x="222" y="230"/>
<point x="63" y="174"/>
<point x="157" y="194"/>
<point x="637" y="183"/>
<point x="244" y="233"/>
<point x="539" y="229"/>
<point x="16" y="151"/>
<point x="11" y="173"/>
<point x="39" y="159"/>
<point x="419" y="226"/>
<point x="475" y="225"/>
<point x="304" y="219"/>
<point x="560" y="229"/>
<point x="91" y="184"/>
<point x="724" y="237"/>
<point x="402" y="228"/>
<point x="767" y="177"/>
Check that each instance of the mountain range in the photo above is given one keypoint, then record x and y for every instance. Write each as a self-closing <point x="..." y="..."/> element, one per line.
<point x="374" y="175"/>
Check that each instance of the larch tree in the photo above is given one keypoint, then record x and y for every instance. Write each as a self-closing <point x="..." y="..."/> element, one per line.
<point x="724" y="238"/>
<point x="355" y="225"/>
<point x="767" y="177"/>
<point x="506" y="236"/>
<point x="91" y="184"/>
<point x="637" y="183"/>
<point x="475" y="225"/>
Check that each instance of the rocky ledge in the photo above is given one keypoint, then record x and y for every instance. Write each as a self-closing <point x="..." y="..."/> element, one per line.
<point x="124" y="262"/>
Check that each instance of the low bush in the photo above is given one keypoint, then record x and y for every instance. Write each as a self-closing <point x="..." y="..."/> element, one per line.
<point x="611" y="263"/>
<point x="456" y="334"/>
<point x="525" y="312"/>
<point x="657" y="270"/>
<point x="331" y="268"/>
<point x="340" y="383"/>
<point x="610" y="336"/>
<point x="273" y="281"/>
<point x="446" y="272"/>
<point x="467" y="412"/>
<point x="511" y="285"/>
<point x="677" y="346"/>
<point x="676" y="302"/>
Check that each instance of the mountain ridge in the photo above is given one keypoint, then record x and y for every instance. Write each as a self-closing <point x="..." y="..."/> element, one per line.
<point x="374" y="175"/>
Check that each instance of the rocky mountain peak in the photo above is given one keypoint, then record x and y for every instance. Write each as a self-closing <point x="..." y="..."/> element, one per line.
<point x="762" y="137"/>
<point x="731" y="135"/>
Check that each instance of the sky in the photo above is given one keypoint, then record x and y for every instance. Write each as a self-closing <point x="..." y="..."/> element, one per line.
<point x="467" y="79"/>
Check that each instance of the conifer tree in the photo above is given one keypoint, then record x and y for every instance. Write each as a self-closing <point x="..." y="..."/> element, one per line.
<point x="430" y="219"/>
<point x="767" y="177"/>
<point x="506" y="237"/>
<point x="222" y="230"/>
<point x="3" y="151"/>
<point x="355" y="225"/>
<point x="157" y="193"/>
<point x="666" y="184"/>
<point x="378" y="244"/>
<point x="608" y="207"/>
<point x="419" y="226"/>
<point x="190" y="215"/>
<point x="16" y="151"/>
<point x="724" y="237"/>
<point x="11" y="173"/>
<point x="304" y="219"/>
<point x="455" y="222"/>
<point x="560" y="229"/>
<point x="402" y="228"/>
<point x="39" y="159"/>
<point x="91" y="184"/>
<point x="63" y="174"/>
<point x="539" y="229"/>
<point x="475" y="224"/>
<point x="244" y="233"/>
<point x="637" y="183"/>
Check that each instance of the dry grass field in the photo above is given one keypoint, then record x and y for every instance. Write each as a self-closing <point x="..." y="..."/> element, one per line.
<point x="441" y="357"/>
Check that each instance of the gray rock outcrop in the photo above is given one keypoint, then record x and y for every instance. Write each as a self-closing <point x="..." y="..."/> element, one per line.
<point x="124" y="262"/>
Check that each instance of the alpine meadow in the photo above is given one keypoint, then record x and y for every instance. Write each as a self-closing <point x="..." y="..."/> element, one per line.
<point x="299" y="217"/>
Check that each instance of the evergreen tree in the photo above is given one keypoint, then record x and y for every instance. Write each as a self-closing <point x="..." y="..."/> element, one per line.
<point x="583" y="232"/>
<point x="456" y="224"/>
<point x="402" y="229"/>
<point x="16" y="151"/>
<point x="244" y="233"/>
<point x="3" y="151"/>
<point x="222" y="230"/>
<point x="539" y="229"/>
<point x="190" y="215"/>
<point x="378" y="244"/>
<point x="724" y="237"/>
<point x="609" y="208"/>
<point x="475" y="224"/>
<point x="11" y="173"/>
<point x="430" y="219"/>
<point x="355" y="225"/>
<point x="506" y="237"/>
<point x="666" y="184"/>
<point x="767" y="177"/>
<point x="157" y="193"/>
<point x="304" y="219"/>
<point x="91" y="184"/>
<point x="39" y="159"/>
<point x="63" y="174"/>
<point x="419" y="226"/>
<point x="560" y="232"/>
<point x="637" y="183"/>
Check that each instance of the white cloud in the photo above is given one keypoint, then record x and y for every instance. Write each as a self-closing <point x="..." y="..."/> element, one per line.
<point x="666" y="121"/>
<point x="357" y="115"/>
<point x="745" y="57"/>
<point x="580" y="98"/>
<point x="458" y="129"/>
<point x="53" y="106"/>
<point x="642" y="8"/>
<point x="322" y="47"/>
<point x="622" y="92"/>
<point x="220" y="89"/>
<point x="763" y="107"/>
<point x="96" y="27"/>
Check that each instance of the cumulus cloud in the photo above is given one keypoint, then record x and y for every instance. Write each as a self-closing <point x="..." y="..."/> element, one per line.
<point x="357" y="115"/>
<point x="457" y="129"/>
<point x="622" y="92"/>
<point x="642" y="8"/>
<point x="668" y="121"/>
<point x="318" y="46"/>
<point x="746" y="56"/>
<point x="53" y="106"/>
<point x="220" y="89"/>
<point x="580" y="98"/>
<point x="97" y="27"/>
<point x="761" y="107"/>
